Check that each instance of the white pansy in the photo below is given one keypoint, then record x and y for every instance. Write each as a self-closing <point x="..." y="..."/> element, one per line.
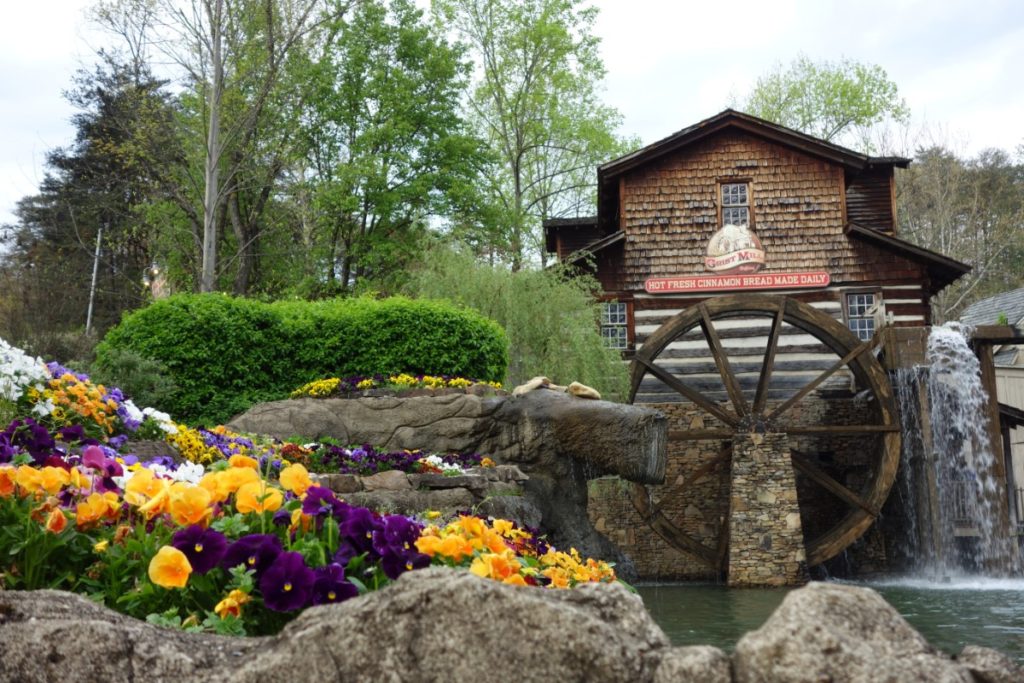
<point x="163" y="420"/>
<point x="18" y="371"/>
<point x="436" y="461"/>
<point x="134" y="414"/>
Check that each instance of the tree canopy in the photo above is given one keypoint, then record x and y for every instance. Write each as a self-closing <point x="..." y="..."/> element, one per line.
<point x="835" y="101"/>
<point x="535" y="102"/>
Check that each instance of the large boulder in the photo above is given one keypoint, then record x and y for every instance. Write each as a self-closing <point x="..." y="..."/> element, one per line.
<point x="430" y="625"/>
<point x="557" y="440"/>
<point x="831" y="632"/>
<point x="444" y="625"/>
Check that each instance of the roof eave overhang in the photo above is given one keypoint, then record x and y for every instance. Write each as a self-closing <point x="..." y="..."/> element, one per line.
<point x="942" y="270"/>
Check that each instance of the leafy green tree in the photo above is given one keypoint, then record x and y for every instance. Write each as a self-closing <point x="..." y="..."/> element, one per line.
<point x="550" y="316"/>
<point x="103" y="179"/>
<point x="232" y="57"/>
<point x="971" y="209"/>
<point x="835" y="101"/>
<point x="386" y="147"/>
<point x="535" y="101"/>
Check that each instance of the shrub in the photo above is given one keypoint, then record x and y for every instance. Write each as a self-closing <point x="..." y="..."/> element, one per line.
<point x="550" y="315"/>
<point x="225" y="354"/>
<point x="144" y="380"/>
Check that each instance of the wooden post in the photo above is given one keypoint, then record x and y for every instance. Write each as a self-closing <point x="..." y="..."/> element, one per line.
<point x="999" y="499"/>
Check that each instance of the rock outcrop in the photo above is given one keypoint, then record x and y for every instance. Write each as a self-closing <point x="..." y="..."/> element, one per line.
<point x="558" y="441"/>
<point x="431" y="625"/>
<point x="444" y="625"/>
<point x="831" y="632"/>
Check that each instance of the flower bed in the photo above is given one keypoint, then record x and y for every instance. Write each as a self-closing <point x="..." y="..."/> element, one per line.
<point x="382" y="385"/>
<point x="235" y="539"/>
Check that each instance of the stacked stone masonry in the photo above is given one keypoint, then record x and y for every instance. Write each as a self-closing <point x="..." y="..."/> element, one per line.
<point x="766" y="545"/>
<point x="700" y="506"/>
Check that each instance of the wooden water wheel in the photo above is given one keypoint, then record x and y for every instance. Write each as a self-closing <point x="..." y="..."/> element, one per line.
<point x="751" y="406"/>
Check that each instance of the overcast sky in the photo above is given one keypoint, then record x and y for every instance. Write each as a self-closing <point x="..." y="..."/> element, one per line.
<point x="670" y="63"/>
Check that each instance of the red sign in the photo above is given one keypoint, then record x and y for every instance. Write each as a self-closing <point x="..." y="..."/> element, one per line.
<point x="719" y="283"/>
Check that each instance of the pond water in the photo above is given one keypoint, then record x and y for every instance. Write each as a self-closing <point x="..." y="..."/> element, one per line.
<point x="987" y="612"/>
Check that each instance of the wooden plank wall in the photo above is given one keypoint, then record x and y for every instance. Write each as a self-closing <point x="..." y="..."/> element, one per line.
<point x="670" y="210"/>
<point x="869" y="199"/>
<point x="799" y="359"/>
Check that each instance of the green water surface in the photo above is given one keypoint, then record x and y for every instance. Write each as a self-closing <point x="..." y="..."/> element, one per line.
<point x="950" y="615"/>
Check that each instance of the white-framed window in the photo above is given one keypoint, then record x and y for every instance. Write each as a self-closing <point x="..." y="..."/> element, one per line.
<point x="615" y="325"/>
<point x="860" y="313"/>
<point x="735" y="204"/>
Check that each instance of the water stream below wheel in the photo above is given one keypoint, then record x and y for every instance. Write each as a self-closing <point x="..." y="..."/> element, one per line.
<point x="967" y="611"/>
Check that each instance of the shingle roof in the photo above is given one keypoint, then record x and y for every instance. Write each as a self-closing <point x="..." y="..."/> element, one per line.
<point x="987" y="311"/>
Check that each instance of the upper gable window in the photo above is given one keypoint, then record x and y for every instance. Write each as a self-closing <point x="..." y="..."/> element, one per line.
<point x="735" y="204"/>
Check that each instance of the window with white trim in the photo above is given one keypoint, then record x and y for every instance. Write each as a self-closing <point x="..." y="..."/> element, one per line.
<point x="735" y="204"/>
<point x="860" y="314"/>
<point x="615" y="325"/>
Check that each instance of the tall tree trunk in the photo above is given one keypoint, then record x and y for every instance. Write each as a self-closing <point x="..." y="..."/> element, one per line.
<point x="211" y="179"/>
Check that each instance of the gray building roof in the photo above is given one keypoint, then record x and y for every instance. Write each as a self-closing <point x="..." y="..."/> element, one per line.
<point x="987" y="311"/>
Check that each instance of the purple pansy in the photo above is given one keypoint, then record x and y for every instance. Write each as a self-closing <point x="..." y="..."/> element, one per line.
<point x="204" y="548"/>
<point x="255" y="551"/>
<point x="287" y="583"/>
<point x="331" y="585"/>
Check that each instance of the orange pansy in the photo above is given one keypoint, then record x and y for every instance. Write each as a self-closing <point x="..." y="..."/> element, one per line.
<point x="256" y="496"/>
<point x="169" y="568"/>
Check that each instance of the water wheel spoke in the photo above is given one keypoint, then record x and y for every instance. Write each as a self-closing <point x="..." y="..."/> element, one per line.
<point x="804" y="465"/>
<point x="692" y="394"/>
<point x="683" y="541"/>
<point x="820" y="379"/>
<point x="841" y="429"/>
<point x="732" y="385"/>
<point x="700" y="435"/>
<point x="723" y="456"/>
<point x="761" y="395"/>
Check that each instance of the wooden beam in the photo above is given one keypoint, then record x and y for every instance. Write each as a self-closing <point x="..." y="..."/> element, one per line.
<point x="805" y="466"/>
<point x="683" y="541"/>
<point x="839" y="429"/>
<point x="723" y="456"/>
<point x="692" y="394"/>
<point x="732" y="387"/>
<point x="761" y="396"/>
<point x="839" y="364"/>
<point x="700" y="434"/>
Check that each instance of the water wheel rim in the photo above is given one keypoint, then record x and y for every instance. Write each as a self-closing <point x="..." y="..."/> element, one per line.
<point x="840" y="341"/>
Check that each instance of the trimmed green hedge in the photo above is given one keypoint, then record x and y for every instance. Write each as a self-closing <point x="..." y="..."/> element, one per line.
<point x="224" y="354"/>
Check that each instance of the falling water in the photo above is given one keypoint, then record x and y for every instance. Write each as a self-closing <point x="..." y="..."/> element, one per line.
<point x="954" y="503"/>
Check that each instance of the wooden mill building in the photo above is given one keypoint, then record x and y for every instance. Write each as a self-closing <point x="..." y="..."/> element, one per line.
<point x="745" y="270"/>
<point x="816" y="208"/>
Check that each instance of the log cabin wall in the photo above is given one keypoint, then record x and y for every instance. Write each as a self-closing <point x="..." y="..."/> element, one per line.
<point x="670" y="209"/>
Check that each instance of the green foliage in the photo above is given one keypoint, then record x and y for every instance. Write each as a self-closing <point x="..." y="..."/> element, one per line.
<point x="144" y="380"/>
<point x="225" y="354"/>
<point x="829" y="100"/>
<point x="550" y="316"/>
<point x="536" y="104"/>
<point x="383" y="141"/>
<point x="971" y="209"/>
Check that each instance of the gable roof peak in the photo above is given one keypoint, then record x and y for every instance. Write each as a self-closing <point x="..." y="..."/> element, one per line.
<point x="731" y="118"/>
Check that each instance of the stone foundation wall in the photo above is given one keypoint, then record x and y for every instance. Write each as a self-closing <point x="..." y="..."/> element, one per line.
<point x="766" y="543"/>
<point x="699" y="505"/>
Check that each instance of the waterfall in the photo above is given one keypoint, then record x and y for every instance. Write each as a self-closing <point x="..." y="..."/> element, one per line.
<point x="954" y="505"/>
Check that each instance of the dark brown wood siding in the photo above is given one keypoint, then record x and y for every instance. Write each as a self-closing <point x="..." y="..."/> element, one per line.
<point x="670" y="210"/>
<point x="869" y="199"/>
<point x="575" y="238"/>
